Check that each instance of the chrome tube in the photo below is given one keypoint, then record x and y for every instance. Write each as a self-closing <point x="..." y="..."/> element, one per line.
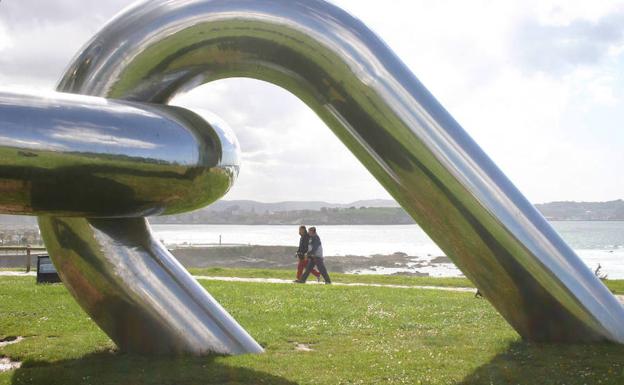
<point x="382" y="113"/>
<point x="76" y="156"/>
<point x="142" y="297"/>
<point x="71" y="155"/>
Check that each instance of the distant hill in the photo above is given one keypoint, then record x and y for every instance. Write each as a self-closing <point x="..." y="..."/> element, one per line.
<point x="261" y="207"/>
<point x="366" y="212"/>
<point x="325" y="216"/>
<point x="374" y="211"/>
<point x="583" y="211"/>
<point x="369" y="212"/>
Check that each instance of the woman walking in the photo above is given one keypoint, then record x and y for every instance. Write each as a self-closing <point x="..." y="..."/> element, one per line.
<point x="315" y="258"/>
<point x="304" y="241"/>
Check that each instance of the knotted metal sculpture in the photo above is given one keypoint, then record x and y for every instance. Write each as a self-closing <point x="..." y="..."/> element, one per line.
<point x="93" y="168"/>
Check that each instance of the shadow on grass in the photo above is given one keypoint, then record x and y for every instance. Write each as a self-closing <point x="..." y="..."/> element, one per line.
<point x="553" y="364"/>
<point x="115" y="369"/>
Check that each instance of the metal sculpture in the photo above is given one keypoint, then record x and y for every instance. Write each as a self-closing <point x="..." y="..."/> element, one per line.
<point x="137" y="292"/>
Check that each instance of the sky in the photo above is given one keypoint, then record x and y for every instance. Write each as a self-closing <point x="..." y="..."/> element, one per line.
<point x="539" y="84"/>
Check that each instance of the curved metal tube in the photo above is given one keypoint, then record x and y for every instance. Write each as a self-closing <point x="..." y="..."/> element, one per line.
<point x="141" y="296"/>
<point x="85" y="156"/>
<point x="382" y="113"/>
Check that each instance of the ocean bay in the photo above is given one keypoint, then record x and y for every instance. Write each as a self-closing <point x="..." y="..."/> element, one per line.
<point x="596" y="242"/>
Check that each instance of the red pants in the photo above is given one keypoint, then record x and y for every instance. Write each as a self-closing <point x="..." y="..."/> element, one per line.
<point x="301" y="266"/>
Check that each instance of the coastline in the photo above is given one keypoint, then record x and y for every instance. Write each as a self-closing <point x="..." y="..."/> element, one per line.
<point x="283" y="257"/>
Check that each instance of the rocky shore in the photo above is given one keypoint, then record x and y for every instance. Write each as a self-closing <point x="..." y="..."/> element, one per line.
<point x="283" y="257"/>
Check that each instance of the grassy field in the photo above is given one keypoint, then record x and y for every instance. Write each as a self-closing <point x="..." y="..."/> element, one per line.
<point x="616" y="286"/>
<point x="358" y="335"/>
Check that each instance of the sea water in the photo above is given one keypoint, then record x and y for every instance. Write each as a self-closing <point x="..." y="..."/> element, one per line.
<point x="595" y="242"/>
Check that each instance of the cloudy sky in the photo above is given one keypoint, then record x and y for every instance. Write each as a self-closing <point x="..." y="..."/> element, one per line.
<point x="538" y="83"/>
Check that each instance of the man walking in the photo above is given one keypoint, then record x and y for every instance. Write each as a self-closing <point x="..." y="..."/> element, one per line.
<point x="315" y="257"/>
<point x="304" y="242"/>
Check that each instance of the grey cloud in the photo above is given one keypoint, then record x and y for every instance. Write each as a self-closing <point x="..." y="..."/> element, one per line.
<point x="37" y="12"/>
<point x="250" y="140"/>
<point x="558" y="49"/>
<point x="246" y="102"/>
<point x="31" y="63"/>
<point x="33" y="144"/>
<point x="264" y="118"/>
<point x="80" y="134"/>
<point x="45" y="35"/>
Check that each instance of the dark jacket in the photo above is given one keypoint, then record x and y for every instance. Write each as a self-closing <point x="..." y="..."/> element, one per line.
<point x="303" y="245"/>
<point x="316" y="249"/>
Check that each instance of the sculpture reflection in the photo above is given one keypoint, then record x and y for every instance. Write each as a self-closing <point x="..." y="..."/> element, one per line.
<point x="87" y="156"/>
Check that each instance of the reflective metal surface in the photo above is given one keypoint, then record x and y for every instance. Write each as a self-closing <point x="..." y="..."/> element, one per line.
<point x="66" y="155"/>
<point x="382" y="113"/>
<point x="72" y="155"/>
<point x="136" y="291"/>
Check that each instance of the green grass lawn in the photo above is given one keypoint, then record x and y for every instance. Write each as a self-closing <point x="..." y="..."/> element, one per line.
<point x="616" y="286"/>
<point x="358" y="335"/>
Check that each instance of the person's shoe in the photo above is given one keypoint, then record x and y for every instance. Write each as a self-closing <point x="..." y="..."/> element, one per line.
<point x="298" y="281"/>
<point x="328" y="282"/>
